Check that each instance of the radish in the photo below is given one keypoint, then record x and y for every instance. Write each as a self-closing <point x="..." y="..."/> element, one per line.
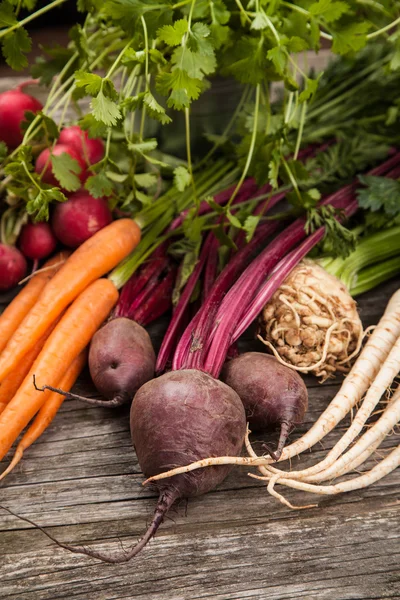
<point x="90" y="149"/>
<point x="43" y="163"/>
<point x="13" y="106"/>
<point x="13" y="267"/>
<point x="272" y="394"/>
<point x="80" y="217"/>
<point x="37" y="240"/>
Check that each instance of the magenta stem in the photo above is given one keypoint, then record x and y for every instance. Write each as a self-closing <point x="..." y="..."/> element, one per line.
<point x="170" y="337"/>
<point x="158" y="302"/>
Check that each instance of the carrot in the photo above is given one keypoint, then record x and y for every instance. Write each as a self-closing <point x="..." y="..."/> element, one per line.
<point x="91" y="260"/>
<point x="71" y="335"/>
<point x="17" y="310"/>
<point x="47" y="413"/>
<point x="11" y="383"/>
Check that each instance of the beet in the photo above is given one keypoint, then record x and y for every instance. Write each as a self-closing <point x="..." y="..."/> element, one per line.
<point x="180" y="417"/>
<point x="121" y="359"/>
<point x="272" y="394"/>
<point x="13" y="106"/>
<point x="13" y="267"/>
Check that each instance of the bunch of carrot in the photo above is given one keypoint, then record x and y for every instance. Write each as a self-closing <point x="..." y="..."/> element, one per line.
<point x="47" y="327"/>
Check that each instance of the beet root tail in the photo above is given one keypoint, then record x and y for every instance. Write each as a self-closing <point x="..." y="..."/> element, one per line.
<point x="113" y="403"/>
<point x="165" y="501"/>
<point x="286" y="428"/>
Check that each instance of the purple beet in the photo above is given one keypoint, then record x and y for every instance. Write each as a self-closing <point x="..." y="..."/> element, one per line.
<point x="180" y="417"/>
<point x="121" y="359"/>
<point x="272" y="394"/>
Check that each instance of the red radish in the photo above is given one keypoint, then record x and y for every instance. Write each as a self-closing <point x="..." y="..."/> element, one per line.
<point x="37" y="240"/>
<point x="13" y="267"/>
<point x="43" y="162"/>
<point x="90" y="149"/>
<point x="13" y="106"/>
<point x="79" y="218"/>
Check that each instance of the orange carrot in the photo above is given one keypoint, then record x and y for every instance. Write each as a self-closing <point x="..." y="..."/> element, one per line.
<point x="10" y="385"/>
<point x="17" y="310"/>
<point x="48" y="411"/>
<point x="98" y="255"/>
<point x="71" y="335"/>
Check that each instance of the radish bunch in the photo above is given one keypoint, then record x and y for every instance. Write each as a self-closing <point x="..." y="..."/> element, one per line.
<point x="72" y="222"/>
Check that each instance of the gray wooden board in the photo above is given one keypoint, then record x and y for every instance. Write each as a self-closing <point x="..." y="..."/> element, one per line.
<point x="82" y="481"/>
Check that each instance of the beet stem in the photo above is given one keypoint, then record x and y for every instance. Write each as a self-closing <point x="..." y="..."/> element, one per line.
<point x="165" y="501"/>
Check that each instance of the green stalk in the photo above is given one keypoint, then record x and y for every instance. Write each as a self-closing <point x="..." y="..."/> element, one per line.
<point x="371" y="277"/>
<point x="367" y="259"/>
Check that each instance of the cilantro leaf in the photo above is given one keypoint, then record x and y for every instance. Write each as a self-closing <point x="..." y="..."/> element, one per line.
<point x="15" y="47"/>
<point x="38" y="204"/>
<point x="250" y="225"/>
<point x="279" y="57"/>
<point x="7" y="16"/>
<point x="180" y="86"/>
<point x="380" y="193"/>
<point x="66" y="170"/>
<point x="182" y="178"/>
<point x="260" y="21"/>
<point x="146" y="180"/>
<point x="99" y="185"/>
<point x="89" y="81"/>
<point x="246" y="60"/>
<point x="105" y="110"/>
<point x="350" y="38"/>
<point x="143" y="147"/>
<point x="330" y="11"/>
<point x="311" y="86"/>
<point x="173" y="34"/>
<point x="154" y="109"/>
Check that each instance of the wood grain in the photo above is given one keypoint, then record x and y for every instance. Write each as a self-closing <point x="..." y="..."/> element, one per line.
<point x="81" y="480"/>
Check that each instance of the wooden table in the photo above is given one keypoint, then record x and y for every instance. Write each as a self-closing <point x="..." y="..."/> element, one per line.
<point x="82" y="481"/>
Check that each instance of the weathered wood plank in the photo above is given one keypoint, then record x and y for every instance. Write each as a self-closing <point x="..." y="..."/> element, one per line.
<point x="82" y="481"/>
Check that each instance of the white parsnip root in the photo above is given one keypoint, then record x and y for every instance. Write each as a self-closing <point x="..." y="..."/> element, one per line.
<point x="372" y="375"/>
